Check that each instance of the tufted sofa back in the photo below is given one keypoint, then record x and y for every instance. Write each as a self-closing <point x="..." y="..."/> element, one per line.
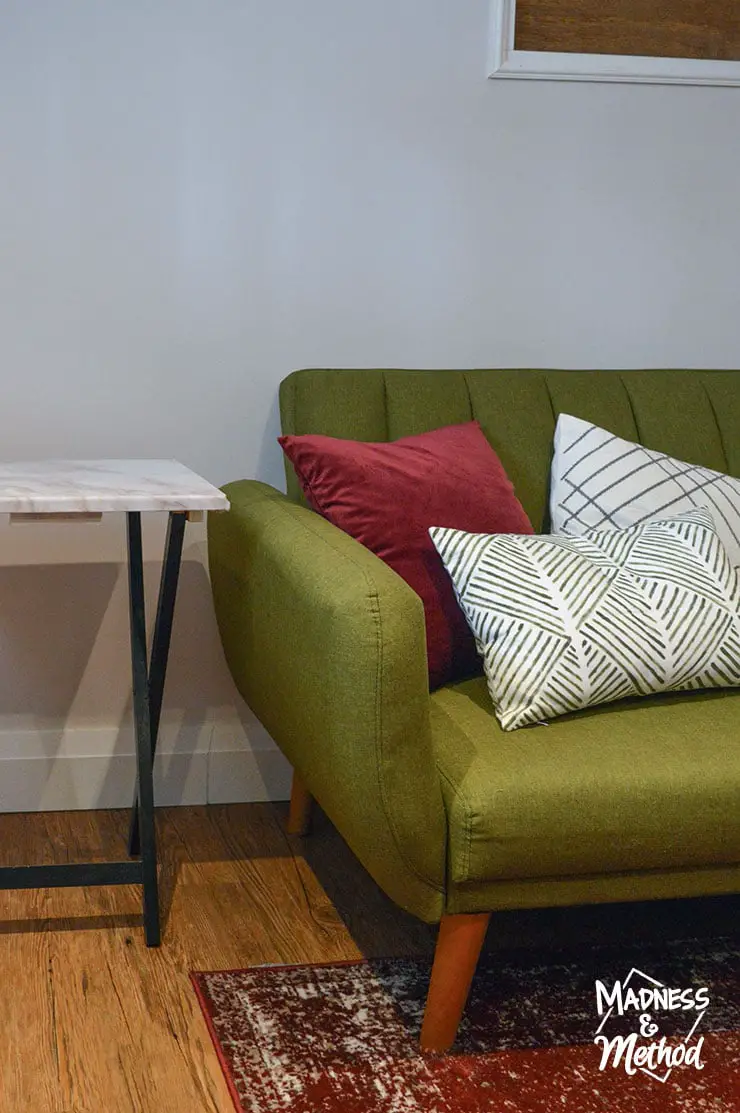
<point x="692" y="415"/>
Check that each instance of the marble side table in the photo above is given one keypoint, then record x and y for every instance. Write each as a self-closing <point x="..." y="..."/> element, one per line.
<point x="63" y="489"/>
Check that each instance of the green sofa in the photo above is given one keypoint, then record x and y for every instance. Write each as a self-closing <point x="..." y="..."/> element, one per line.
<point x="453" y="817"/>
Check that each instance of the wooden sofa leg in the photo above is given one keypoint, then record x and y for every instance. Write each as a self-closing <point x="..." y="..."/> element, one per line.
<point x="455" y="958"/>
<point x="301" y="802"/>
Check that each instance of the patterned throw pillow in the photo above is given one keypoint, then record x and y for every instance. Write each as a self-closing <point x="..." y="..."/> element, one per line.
<point x="563" y="623"/>
<point x="599" y="481"/>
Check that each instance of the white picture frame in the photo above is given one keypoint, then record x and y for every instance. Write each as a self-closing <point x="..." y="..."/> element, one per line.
<point x="508" y="62"/>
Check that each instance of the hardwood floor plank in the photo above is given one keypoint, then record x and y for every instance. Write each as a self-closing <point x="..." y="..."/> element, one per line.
<point x="95" y="1022"/>
<point x="31" y="1063"/>
<point x="123" y="1028"/>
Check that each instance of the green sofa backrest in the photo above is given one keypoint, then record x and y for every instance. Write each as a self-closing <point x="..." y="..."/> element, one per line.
<point x="693" y="415"/>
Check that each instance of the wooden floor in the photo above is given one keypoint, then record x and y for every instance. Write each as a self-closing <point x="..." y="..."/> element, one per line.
<point x="91" y="1021"/>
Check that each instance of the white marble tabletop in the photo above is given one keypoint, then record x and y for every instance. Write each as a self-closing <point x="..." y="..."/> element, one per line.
<point x="101" y="486"/>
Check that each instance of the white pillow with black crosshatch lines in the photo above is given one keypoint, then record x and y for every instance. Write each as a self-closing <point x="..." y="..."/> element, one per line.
<point x="599" y="481"/>
<point x="564" y="623"/>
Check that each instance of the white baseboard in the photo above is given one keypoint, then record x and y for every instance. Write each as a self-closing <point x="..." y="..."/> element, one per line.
<point x="80" y="769"/>
<point x="244" y="763"/>
<point x="237" y="775"/>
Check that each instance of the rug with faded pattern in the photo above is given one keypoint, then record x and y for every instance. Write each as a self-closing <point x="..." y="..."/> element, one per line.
<point x="615" y="1031"/>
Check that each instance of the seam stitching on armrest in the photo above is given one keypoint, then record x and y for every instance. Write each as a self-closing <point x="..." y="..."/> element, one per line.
<point x="380" y="734"/>
<point x="468" y="825"/>
<point x="373" y="598"/>
<point x="372" y="595"/>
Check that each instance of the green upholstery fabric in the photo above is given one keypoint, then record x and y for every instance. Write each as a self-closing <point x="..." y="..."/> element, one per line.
<point x="553" y="892"/>
<point x="327" y="645"/>
<point x="637" y="785"/>
<point x="693" y="415"/>
<point x="447" y="813"/>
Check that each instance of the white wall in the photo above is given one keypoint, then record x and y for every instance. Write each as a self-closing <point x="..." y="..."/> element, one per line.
<point x="197" y="196"/>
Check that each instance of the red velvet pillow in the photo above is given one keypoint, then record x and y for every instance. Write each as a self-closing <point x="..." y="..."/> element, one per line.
<point x="388" y="495"/>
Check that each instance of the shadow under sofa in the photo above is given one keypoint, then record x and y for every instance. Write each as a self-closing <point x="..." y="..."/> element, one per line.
<point x="451" y="816"/>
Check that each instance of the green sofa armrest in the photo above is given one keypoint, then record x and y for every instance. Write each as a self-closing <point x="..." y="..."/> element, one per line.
<point x="327" y="646"/>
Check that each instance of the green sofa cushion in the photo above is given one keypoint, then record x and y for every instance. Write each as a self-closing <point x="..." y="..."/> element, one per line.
<point x="639" y="785"/>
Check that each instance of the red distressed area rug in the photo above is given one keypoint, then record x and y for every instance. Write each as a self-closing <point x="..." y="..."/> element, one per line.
<point x="343" y="1037"/>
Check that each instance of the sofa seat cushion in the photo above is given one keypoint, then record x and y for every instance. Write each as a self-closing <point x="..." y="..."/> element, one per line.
<point x="636" y="785"/>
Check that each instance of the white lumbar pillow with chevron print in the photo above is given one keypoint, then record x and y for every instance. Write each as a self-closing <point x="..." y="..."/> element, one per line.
<point x="564" y="623"/>
<point x="599" y="481"/>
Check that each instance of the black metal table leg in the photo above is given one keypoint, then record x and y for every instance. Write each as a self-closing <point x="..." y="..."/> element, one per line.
<point x="142" y="725"/>
<point x="160" y="648"/>
<point x="148" y="688"/>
